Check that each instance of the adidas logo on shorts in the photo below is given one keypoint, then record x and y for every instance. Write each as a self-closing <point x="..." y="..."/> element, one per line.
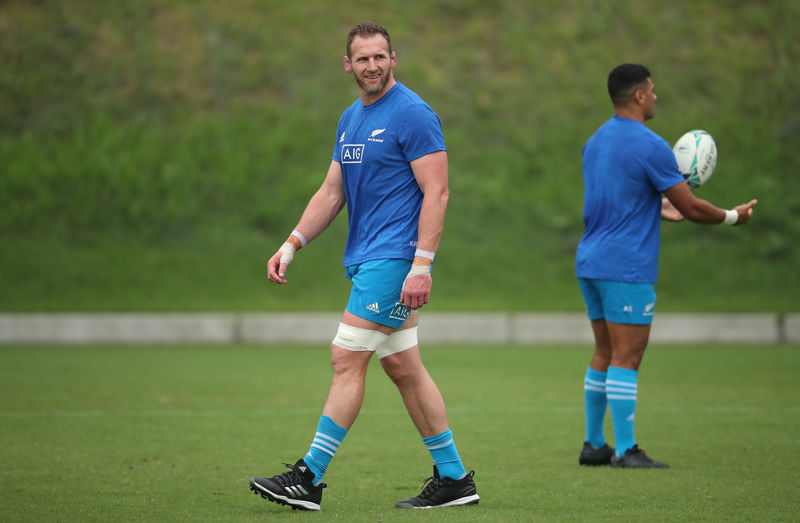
<point x="373" y="307"/>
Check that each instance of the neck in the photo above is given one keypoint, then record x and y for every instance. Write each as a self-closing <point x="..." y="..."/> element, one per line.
<point x="631" y="114"/>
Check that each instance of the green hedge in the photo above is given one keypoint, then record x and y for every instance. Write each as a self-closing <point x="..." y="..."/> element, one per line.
<point x="208" y="125"/>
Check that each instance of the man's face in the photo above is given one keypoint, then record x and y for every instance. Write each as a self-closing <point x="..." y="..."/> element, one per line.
<point x="371" y="64"/>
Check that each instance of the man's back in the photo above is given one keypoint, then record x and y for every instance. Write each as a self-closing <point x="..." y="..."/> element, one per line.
<point x="625" y="168"/>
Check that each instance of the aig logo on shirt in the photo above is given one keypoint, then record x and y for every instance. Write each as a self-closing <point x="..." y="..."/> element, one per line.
<point x="352" y="153"/>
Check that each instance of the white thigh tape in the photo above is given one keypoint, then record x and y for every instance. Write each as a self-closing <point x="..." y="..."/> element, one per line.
<point x="398" y="341"/>
<point x="358" y="339"/>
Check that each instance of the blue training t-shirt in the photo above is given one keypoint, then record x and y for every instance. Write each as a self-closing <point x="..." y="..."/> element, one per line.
<point x="626" y="167"/>
<point x="374" y="145"/>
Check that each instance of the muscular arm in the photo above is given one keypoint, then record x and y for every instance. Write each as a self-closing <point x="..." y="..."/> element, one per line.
<point x="324" y="205"/>
<point x="321" y="210"/>
<point x="702" y="211"/>
<point x="430" y="172"/>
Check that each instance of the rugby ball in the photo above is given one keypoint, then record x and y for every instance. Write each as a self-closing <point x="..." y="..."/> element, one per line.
<point x="696" y="154"/>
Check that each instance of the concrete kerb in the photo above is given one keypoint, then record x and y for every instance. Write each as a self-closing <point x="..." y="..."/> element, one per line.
<point x="791" y="328"/>
<point x="114" y="328"/>
<point x="314" y="327"/>
<point x="716" y="328"/>
<point x="320" y="327"/>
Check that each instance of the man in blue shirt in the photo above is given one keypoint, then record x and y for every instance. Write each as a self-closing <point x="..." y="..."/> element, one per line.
<point x="626" y="169"/>
<point x="389" y="167"/>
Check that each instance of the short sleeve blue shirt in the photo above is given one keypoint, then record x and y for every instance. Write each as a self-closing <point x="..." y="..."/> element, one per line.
<point x="626" y="167"/>
<point x="374" y="145"/>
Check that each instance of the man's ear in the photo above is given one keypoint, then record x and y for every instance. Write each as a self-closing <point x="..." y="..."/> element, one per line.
<point x="348" y="67"/>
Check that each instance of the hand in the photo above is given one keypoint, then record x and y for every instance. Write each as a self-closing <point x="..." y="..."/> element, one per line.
<point x="276" y="266"/>
<point x="745" y="211"/>
<point x="669" y="212"/>
<point x="416" y="290"/>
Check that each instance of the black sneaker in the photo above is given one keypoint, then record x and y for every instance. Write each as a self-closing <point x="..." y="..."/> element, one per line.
<point x="595" y="456"/>
<point x="291" y="488"/>
<point x="635" y="458"/>
<point x="443" y="492"/>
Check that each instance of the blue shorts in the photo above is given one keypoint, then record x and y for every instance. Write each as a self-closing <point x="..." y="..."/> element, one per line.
<point x="376" y="291"/>
<point x="619" y="301"/>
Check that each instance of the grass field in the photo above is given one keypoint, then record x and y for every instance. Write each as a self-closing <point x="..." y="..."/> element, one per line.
<point x="174" y="434"/>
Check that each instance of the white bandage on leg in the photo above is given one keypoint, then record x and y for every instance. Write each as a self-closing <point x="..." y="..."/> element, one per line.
<point x="358" y="339"/>
<point x="398" y="341"/>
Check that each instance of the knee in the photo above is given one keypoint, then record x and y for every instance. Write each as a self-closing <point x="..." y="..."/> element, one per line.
<point x="345" y="364"/>
<point x="627" y="360"/>
<point x="600" y="361"/>
<point x="400" y="371"/>
<point x="393" y="368"/>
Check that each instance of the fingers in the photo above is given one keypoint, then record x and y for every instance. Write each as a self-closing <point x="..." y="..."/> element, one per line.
<point x="275" y="277"/>
<point x="416" y="291"/>
<point x="748" y="206"/>
<point x="745" y="211"/>
<point x="413" y="301"/>
<point x="276" y="270"/>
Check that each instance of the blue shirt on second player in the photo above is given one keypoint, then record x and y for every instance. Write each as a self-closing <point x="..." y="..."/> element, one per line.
<point x="626" y="167"/>
<point x="374" y="145"/>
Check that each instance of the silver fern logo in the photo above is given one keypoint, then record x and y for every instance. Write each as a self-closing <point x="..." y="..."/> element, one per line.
<point x="375" y="133"/>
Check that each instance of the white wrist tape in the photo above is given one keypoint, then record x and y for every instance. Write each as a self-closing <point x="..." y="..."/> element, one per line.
<point x="300" y="237"/>
<point x="287" y="251"/>
<point x="418" y="269"/>
<point x="422" y="253"/>
<point x="731" y="217"/>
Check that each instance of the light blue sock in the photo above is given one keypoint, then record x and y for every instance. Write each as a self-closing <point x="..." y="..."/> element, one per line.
<point x="325" y="444"/>
<point x="621" y="393"/>
<point x="445" y="455"/>
<point x="594" y="399"/>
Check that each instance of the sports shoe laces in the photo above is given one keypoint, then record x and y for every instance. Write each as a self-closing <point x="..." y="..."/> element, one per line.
<point x="429" y="486"/>
<point x="635" y="450"/>
<point x="293" y="477"/>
